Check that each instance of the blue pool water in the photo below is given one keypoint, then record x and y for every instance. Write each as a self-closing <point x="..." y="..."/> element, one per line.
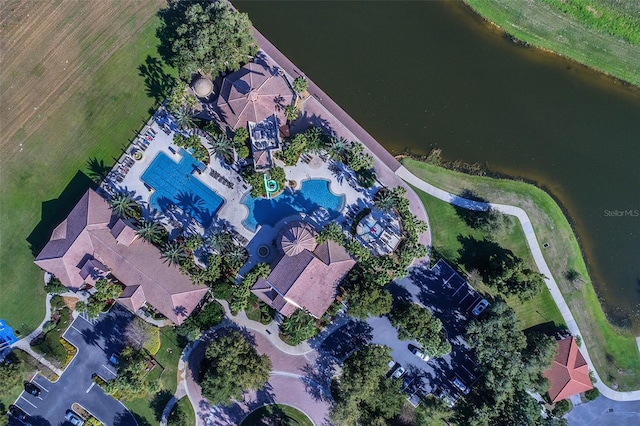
<point x="312" y="195"/>
<point x="174" y="184"/>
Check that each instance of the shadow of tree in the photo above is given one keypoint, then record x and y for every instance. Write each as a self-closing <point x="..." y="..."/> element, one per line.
<point x="97" y="170"/>
<point x="160" y="401"/>
<point x="317" y="377"/>
<point x="158" y="83"/>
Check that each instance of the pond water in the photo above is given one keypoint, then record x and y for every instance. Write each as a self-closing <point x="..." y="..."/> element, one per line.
<point x="419" y="75"/>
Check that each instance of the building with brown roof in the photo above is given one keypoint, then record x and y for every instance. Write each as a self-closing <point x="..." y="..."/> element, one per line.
<point x="92" y="243"/>
<point x="306" y="275"/>
<point x="253" y="93"/>
<point x="569" y="373"/>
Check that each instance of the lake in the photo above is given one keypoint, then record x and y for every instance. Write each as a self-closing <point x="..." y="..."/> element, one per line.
<point x="419" y="75"/>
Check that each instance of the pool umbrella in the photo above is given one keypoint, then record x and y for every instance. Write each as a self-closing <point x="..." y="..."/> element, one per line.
<point x="297" y="237"/>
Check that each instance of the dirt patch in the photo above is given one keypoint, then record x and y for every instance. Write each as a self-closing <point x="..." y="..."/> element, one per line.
<point x="70" y="302"/>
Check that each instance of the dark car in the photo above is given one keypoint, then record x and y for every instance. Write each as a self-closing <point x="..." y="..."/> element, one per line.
<point x="17" y="412"/>
<point x="32" y="389"/>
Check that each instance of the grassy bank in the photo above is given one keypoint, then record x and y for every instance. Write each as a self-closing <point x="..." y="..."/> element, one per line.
<point x="279" y="414"/>
<point x="446" y="229"/>
<point x="613" y="351"/>
<point x="602" y="34"/>
<point x="85" y="97"/>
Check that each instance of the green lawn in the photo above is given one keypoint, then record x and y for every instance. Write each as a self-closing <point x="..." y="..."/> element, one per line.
<point x="613" y="350"/>
<point x="95" y="122"/>
<point x="149" y="409"/>
<point x="447" y="226"/>
<point x="277" y="414"/>
<point x="592" y="32"/>
<point x="189" y="416"/>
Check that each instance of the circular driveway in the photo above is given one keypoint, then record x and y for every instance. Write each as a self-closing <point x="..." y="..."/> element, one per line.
<point x="294" y="381"/>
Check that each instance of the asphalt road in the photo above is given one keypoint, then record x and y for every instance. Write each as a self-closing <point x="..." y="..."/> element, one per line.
<point x="605" y="412"/>
<point x="95" y="344"/>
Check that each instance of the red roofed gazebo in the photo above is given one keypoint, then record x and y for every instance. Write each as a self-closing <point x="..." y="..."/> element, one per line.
<point x="569" y="373"/>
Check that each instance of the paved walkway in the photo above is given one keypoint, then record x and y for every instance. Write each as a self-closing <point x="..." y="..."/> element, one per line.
<point x="536" y="252"/>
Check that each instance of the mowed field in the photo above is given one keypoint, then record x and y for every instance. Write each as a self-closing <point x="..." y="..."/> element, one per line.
<point x="71" y="92"/>
<point x="593" y="38"/>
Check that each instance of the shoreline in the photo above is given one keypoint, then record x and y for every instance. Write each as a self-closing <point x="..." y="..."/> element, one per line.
<point x="525" y="36"/>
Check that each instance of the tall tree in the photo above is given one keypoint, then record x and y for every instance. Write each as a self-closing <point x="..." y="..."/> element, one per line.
<point x="207" y="36"/>
<point x="230" y="367"/>
<point x="184" y="117"/>
<point x="222" y="148"/>
<point x="174" y="253"/>
<point x="151" y="231"/>
<point x="235" y="257"/>
<point x="299" y="327"/>
<point x="415" y="322"/>
<point x="122" y="204"/>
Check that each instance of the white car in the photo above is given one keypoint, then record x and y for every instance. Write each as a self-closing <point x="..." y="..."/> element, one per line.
<point x="399" y="372"/>
<point x="417" y="352"/>
<point x="73" y="418"/>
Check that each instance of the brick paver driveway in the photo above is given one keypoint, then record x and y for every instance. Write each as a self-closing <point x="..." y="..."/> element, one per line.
<point x="295" y="381"/>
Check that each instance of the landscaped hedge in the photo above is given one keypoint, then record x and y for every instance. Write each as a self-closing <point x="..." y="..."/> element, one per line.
<point x="153" y="343"/>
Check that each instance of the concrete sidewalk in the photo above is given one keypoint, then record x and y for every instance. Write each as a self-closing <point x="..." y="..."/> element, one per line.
<point x="536" y="252"/>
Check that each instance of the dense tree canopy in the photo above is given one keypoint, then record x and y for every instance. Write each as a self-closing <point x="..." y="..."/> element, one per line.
<point x="298" y="327"/>
<point x="365" y="395"/>
<point x="366" y="295"/>
<point x="207" y="36"/>
<point x="232" y="365"/>
<point x="416" y="323"/>
<point x="512" y="363"/>
<point x="132" y="380"/>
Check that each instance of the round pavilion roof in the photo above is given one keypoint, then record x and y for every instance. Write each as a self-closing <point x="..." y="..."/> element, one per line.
<point x="203" y="87"/>
<point x="296" y="237"/>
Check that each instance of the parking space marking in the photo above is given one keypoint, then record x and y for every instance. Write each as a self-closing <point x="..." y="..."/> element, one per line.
<point x="41" y="387"/>
<point x="109" y="370"/>
<point x="28" y="402"/>
<point x="91" y="387"/>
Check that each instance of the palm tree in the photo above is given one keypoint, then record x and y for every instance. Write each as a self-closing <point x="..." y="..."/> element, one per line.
<point x="184" y="117"/>
<point x="150" y="231"/>
<point x="123" y="205"/>
<point x="219" y="242"/>
<point x="385" y="200"/>
<point x="174" y="253"/>
<point x="222" y="148"/>
<point x="235" y="257"/>
<point x="339" y="149"/>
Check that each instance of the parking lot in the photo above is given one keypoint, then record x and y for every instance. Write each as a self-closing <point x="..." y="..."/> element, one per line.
<point x="449" y="298"/>
<point x="95" y="343"/>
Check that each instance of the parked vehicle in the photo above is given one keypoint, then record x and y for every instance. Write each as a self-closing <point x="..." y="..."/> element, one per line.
<point x="480" y="307"/>
<point x="458" y="383"/>
<point x="73" y="418"/>
<point x="32" y="389"/>
<point x="400" y="371"/>
<point x="17" y="412"/>
<point x="444" y="395"/>
<point x="417" y="352"/>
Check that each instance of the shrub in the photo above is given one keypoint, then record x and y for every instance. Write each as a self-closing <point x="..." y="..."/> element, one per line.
<point x="300" y="84"/>
<point x="69" y="349"/>
<point x="562" y="407"/>
<point x="210" y="316"/>
<point x="57" y="302"/>
<point x="591" y="394"/>
<point x="55" y="287"/>
<point x="223" y="290"/>
<point x="152" y="344"/>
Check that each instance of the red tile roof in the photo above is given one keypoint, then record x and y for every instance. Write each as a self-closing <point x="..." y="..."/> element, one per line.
<point x="306" y="280"/>
<point x="569" y="373"/>
<point x="92" y="234"/>
<point x="253" y="93"/>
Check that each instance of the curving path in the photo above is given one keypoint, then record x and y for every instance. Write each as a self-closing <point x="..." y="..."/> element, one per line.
<point x="536" y="252"/>
<point x="292" y="382"/>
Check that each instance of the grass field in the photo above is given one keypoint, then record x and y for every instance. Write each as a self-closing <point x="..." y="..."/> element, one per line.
<point x="184" y="405"/>
<point x="613" y="351"/>
<point x="447" y="226"/>
<point x="71" y="92"/>
<point x="276" y="414"/>
<point x="602" y="34"/>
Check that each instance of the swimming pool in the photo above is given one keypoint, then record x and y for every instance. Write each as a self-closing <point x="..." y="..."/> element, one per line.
<point x="312" y="195"/>
<point x="174" y="184"/>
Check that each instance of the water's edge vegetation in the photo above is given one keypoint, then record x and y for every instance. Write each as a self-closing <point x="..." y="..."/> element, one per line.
<point x="613" y="349"/>
<point x="600" y="34"/>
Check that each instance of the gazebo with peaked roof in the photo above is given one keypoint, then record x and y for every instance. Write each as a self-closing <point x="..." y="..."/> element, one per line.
<point x="254" y="93"/>
<point x="569" y="373"/>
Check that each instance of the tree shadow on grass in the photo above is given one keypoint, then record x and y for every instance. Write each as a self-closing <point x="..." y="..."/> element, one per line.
<point x="97" y="170"/>
<point x="159" y="402"/>
<point x="55" y="211"/>
<point x="158" y="83"/>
